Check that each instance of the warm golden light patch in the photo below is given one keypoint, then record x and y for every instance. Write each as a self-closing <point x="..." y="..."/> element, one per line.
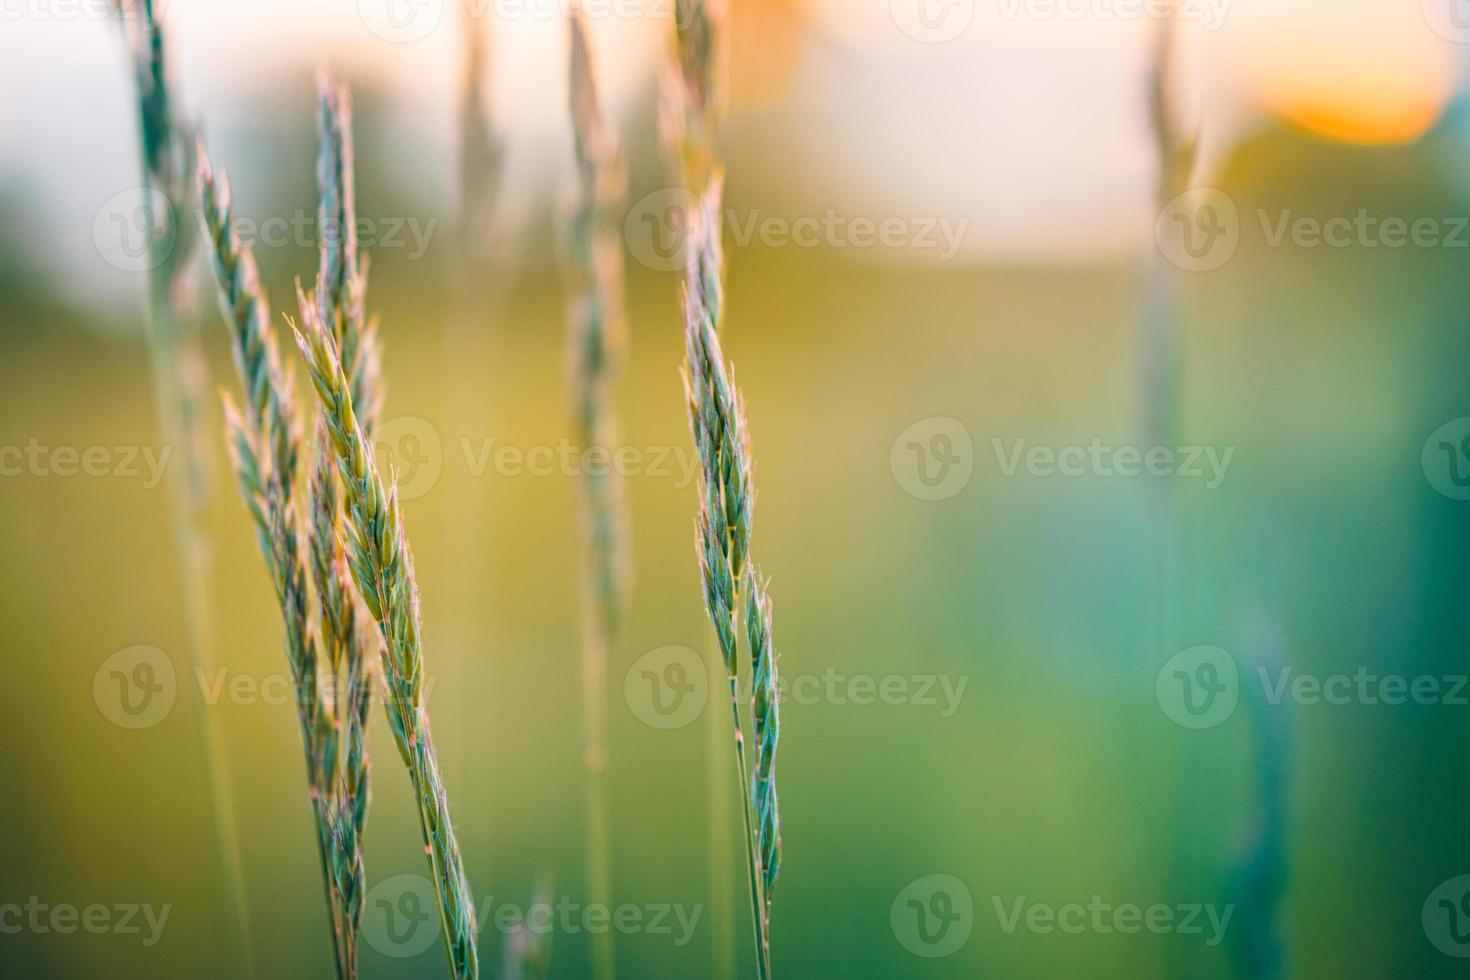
<point x="1368" y="71"/>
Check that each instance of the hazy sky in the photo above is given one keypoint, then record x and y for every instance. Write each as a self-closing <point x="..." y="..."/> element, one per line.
<point x="1024" y="116"/>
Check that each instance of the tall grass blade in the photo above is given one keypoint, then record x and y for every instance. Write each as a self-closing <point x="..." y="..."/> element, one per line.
<point x="177" y="368"/>
<point x="722" y="542"/>
<point x="596" y="339"/>
<point x="382" y="567"/>
<point x="693" y="90"/>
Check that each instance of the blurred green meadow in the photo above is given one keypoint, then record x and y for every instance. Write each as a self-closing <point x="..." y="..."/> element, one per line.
<point x="974" y="681"/>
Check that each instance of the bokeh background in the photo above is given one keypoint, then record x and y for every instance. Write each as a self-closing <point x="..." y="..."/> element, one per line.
<point x="1335" y="543"/>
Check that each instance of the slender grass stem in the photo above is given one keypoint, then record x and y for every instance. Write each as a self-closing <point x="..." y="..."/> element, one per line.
<point x="752" y="848"/>
<point x="721" y="881"/>
<point x="596" y="337"/>
<point x="472" y="328"/>
<point x="176" y="367"/>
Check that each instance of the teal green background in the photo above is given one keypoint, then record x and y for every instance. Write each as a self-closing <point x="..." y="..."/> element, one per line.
<point x="1056" y="600"/>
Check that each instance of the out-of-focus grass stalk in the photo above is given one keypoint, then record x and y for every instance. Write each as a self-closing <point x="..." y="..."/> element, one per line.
<point x="693" y="92"/>
<point x="1160" y="360"/>
<point x="177" y="367"/>
<point x="596" y="338"/>
<point x="471" y="335"/>
<point x="1258" y="879"/>
<point x="527" y="952"/>
<point x="1160" y="346"/>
